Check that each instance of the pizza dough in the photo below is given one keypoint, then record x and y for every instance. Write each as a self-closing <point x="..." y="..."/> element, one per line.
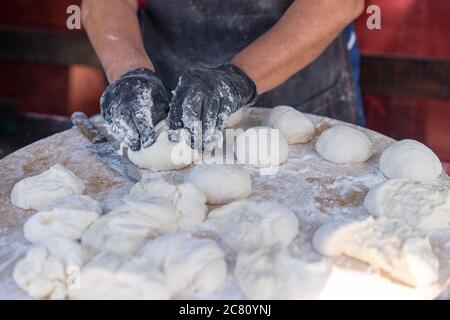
<point x="390" y="245"/>
<point x="261" y="147"/>
<point x="293" y="124"/>
<point x="235" y="118"/>
<point x="421" y="205"/>
<point x="275" y="273"/>
<point x="247" y="225"/>
<point x="344" y="145"/>
<point x="45" y="272"/>
<point x="66" y="217"/>
<point x="221" y="183"/>
<point x="410" y="159"/>
<point x="120" y="277"/>
<point x="39" y="191"/>
<point x="165" y="155"/>
<point x="189" y="264"/>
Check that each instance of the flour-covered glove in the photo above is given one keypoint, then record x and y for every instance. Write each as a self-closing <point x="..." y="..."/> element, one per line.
<point x="133" y="105"/>
<point x="203" y="101"/>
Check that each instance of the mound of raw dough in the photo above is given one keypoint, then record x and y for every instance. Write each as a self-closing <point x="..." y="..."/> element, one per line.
<point x="221" y="183"/>
<point x="39" y="191"/>
<point x="44" y="273"/>
<point x="261" y="147"/>
<point x="235" y="118"/>
<point x="344" y="145"/>
<point x="189" y="264"/>
<point x="293" y="124"/>
<point x="151" y="209"/>
<point x="66" y="217"/>
<point x="390" y="245"/>
<point x="247" y="225"/>
<point x="120" y="277"/>
<point x="410" y="159"/>
<point x="165" y="155"/>
<point x="275" y="273"/>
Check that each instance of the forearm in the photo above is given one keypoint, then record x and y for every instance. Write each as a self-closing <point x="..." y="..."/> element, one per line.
<point x="113" y="29"/>
<point x="298" y="38"/>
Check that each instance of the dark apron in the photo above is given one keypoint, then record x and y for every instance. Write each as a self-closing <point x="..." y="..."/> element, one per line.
<point x="183" y="34"/>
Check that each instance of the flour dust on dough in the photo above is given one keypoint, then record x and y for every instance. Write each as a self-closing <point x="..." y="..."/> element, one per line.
<point x="165" y="155"/>
<point x="410" y="159"/>
<point x="421" y="205"/>
<point x="247" y="225"/>
<point x="390" y="245"/>
<point x="276" y="273"/>
<point x="235" y="119"/>
<point x="67" y="217"/>
<point x="45" y="272"/>
<point x="293" y="124"/>
<point x="39" y="191"/>
<point x="221" y="183"/>
<point x="344" y="145"/>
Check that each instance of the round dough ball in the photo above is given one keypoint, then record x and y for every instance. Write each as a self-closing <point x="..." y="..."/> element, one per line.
<point x="344" y="145"/>
<point x="68" y="217"/>
<point x="165" y="155"/>
<point x="410" y="159"/>
<point x="261" y="147"/>
<point x="221" y="183"/>
<point x="247" y="225"/>
<point x="293" y="124"/>
<point x="38" y="192"/>
<point x="276" y="273"/>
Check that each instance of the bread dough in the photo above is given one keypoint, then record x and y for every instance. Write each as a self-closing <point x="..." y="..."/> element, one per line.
<point x="221" y="183"/>
<point x="189" y="264"/>
<point x="421" y="205"/>
<point x="120" y="277"/>
<point x="39" y="191"/>
<point x="247" y="225"/>
<point x="275" y="273"/>
<point x="165" y="155"/>
<point x="44" y="273"/>
<point x="235" y="119"/>
<point x="151" y="209"/>
<point x="390" y="245"/>
<point x="410" y="159"/>
<point x="344" y="145"/>
<point x="261" y="147"/>
<point x="293" y="124"/>
<point x="66" y="217"/>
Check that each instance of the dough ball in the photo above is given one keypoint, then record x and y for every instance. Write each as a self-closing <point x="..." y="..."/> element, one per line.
<point x="275" y="273"/>
<point x="421" y="205"/>
<point x="235" y="119"/>
<point x="120" y="277"/>
<point x="410" y="159"/>
<point x="165" y="155"/>
<point x="39" y="191"/>
<point x="44" y="273"/>
<point x="68" y="217"/>
<point x="261" y="147"/>
<point x="247" y="225"/>
<point x="293" y="124"/>
<point x="344" y="145"/>
<point x="189" y="264"/>
<point x="390" y="245"/>
<point x="221" y="183"/>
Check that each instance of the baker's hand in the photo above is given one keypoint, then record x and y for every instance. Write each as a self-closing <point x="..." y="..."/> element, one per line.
<point x="203" y="101"/>
<point x="133" y="105"/>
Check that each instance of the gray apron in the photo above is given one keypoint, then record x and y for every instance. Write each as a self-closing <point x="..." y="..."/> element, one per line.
<point x="183" y="34"/>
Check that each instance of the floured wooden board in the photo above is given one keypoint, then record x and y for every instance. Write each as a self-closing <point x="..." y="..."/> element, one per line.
<point x="316" y="190"/>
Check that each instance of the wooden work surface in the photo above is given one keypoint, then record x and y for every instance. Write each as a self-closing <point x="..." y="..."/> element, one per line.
<point x="316" y="190"/>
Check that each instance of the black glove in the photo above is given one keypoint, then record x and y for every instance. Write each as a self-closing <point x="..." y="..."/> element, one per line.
<point x="133" y="105"/>
<point x="203" y="101"/>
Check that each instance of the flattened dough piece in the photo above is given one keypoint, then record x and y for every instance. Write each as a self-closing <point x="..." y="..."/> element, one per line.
<point x="421" y="205"/>
<point x="390" y="245"/>
<point x="247" y="225"/>
<point x="67" y="217"/>
<point x="39" y="191"/>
